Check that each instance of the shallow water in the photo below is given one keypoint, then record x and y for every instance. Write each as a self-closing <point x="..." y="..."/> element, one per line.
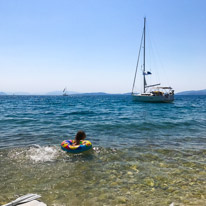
<point x="143" y="154"/>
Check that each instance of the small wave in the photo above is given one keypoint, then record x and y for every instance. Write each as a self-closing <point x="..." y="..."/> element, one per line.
<point x="42" y="154"/>
<point x="82" y="113"/>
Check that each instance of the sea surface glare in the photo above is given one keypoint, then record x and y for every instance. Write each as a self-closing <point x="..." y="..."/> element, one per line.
<point x="143" y="153"/>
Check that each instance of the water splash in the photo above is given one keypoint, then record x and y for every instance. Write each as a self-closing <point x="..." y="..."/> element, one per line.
<point x="42" y="154"/>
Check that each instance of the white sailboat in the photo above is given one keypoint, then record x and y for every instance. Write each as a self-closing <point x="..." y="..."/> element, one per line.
<point x="151" y="93"/>
<point x="65" y="92"/>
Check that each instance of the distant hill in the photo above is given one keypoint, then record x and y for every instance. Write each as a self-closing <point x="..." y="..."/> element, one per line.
<point x="80" y="94"/>
<point x="93" y="93"/>
<point x="21" y="93"/>
<point x="60" y="93"/>
<point x="193" y="92"/>
<point x="100" y="94"/>
<point x="128" y="93"/>
<point x="2" y="93"/>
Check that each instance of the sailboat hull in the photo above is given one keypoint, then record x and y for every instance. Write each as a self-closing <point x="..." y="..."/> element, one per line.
<point x="150" y="98"/>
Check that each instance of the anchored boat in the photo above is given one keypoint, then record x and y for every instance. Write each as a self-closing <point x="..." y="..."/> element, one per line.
<point x="151" y="93"/>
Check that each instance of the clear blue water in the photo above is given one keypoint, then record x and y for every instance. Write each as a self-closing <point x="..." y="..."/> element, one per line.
<point x="144" y="153"/>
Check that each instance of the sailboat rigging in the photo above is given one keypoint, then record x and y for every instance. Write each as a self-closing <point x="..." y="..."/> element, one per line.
<point x="155" y="93"/>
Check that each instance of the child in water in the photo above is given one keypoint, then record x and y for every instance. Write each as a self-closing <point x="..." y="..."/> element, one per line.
<point x="79" y="136"/>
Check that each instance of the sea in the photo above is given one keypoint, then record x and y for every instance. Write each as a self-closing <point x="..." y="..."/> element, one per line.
<point x="143" y="153"/>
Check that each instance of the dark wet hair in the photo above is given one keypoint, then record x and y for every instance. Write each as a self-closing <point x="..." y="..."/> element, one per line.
<point x="80" y="136"/>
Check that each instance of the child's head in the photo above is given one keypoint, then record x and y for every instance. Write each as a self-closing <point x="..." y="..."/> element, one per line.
<point x="80" y="136"/>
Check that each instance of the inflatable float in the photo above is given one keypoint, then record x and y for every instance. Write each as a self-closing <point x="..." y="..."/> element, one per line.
<point x="84" y="145"/>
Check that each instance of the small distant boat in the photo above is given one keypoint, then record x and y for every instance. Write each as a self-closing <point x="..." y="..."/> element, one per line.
<point x="65" y="93"/>
<point x="151" y="93"/>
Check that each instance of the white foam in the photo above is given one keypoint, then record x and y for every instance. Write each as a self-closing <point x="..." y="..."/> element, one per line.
<point x="42" y="154"/>
<point x="96" y="149"/>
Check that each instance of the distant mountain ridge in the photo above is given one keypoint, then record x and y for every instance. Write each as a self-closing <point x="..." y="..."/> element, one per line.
<point x="59" y="93"/>
<point x="193" y="92"/>
<point x="2" y="93"/>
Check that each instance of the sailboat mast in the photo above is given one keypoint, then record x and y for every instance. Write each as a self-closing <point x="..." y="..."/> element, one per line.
<point x="144" y="80"/>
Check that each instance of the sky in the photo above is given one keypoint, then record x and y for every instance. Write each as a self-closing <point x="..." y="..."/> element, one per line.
<point x="92" y="45"/>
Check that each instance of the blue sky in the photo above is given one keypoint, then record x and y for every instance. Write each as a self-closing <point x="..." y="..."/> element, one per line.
<point x="92" y="45"/>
